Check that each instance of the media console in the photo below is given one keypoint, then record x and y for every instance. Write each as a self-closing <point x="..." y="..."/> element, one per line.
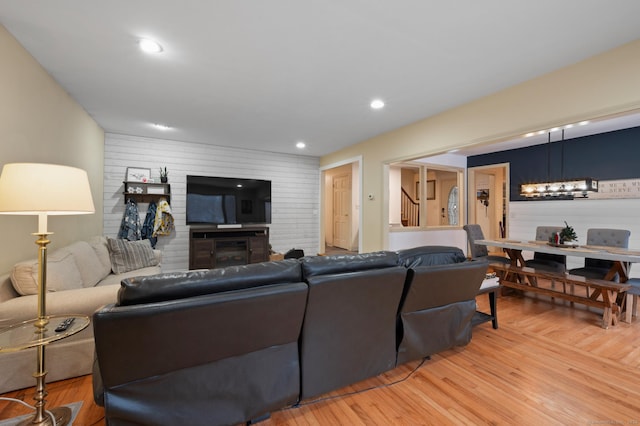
<point x="219" y="247"/>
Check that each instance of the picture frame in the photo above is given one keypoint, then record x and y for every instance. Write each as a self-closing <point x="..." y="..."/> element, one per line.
<point x="138" y="174"/>
<point x="156" y="189"/>
<point x="431" y="190"/>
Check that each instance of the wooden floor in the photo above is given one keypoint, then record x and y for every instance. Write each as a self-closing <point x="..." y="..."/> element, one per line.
<point x="547" y="364"/>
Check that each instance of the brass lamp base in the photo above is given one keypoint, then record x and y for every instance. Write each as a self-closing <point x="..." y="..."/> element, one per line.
<point x="61" y="414"/>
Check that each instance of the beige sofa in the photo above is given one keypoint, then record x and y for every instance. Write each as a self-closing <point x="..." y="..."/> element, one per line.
<point x="81" y="277"/>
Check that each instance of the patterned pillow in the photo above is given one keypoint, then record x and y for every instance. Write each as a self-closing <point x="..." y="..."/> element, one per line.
<point x="129" y="255"/>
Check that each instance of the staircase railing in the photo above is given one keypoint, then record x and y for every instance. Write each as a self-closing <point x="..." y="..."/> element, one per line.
<point x="409" y="210"/>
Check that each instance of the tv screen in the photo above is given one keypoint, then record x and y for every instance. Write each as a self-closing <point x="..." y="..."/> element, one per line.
<point x="221" y="200"/>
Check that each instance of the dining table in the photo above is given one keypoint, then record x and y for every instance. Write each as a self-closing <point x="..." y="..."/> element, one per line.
<point x="607" y="293"/>
<point x="621" y="258"/>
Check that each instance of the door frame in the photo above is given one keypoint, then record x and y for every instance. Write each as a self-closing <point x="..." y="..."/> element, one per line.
<point x="472" y="202"/>
<point x="355" y="194"/>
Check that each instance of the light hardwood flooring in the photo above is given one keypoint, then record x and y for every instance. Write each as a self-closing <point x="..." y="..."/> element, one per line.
<point x="547" y="364"/>
<point x="330" y="251"/>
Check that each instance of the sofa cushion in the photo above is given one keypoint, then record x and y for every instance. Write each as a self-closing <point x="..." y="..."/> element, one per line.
<point x="99" y="245"/>
<point x="62" y="273"/>
<point x="429" y="256"/>
<point x="88" y="263"/>
<point x="129" y="255"/>
<point x="179" y="285"/>
<point x="324" y="265"/>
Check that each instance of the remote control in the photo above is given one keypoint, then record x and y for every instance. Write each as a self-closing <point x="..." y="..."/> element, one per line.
<point x="65" y="324"/>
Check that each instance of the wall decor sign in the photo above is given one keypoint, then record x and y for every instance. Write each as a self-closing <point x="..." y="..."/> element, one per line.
<point x="136" y="174"/>
<point x="155" y="189"/>
<point x="611" y="189"/>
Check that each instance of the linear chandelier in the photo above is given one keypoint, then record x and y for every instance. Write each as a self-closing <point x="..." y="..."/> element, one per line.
<point x="562" y="189"/>
<point x="559" y="190"/>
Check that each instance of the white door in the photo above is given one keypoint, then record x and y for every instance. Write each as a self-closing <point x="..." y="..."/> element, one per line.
<point x="342" y="211"/>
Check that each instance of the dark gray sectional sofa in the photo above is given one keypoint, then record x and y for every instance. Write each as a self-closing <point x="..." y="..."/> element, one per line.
<point x="226" y="346"/>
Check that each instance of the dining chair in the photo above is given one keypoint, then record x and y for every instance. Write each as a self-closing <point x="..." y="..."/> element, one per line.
<point x="477" y="251"/>
<point x="598" y="268"/>
<point x="547" y="261"/>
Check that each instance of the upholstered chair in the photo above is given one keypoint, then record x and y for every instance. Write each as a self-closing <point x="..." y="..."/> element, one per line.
<point x="631" y="299"/>
<point x="477" y="251"/>
<point x="597" y="268"/>
<point x="547" y="261"/>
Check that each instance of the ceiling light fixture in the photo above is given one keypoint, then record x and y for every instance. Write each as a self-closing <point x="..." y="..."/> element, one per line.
<point x="377" y="104"/>
<point x="301" y="145"/>
<point x="562" y="189"/>
<point x="161" y="126"/>
<point x="149" y="46"/>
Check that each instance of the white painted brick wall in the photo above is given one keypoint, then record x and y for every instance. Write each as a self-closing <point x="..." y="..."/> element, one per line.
<point x="295" y="181"/>
<point x="525" y="216"/>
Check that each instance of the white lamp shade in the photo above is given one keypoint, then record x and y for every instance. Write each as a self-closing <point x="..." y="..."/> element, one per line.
<point x="33" y="189"/>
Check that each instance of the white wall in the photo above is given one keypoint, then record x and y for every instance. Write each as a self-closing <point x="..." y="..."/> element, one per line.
<point x="395" y="209"/>
<point x="294" y="180"/>
<point x="525" y="216"/>
<point x="356" y="196"/>
<point x="41" y="123"/>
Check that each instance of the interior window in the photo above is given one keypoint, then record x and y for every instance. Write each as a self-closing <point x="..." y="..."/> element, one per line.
<point x="424" y="195"/>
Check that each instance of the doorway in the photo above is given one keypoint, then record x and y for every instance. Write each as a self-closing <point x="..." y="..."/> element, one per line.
<point x="342" y="211"/>
<point x="488" y="199"/>
<point x="341" y="195"/>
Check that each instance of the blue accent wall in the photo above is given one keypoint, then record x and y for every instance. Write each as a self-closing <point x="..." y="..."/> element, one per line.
<point x="606" y="156"/>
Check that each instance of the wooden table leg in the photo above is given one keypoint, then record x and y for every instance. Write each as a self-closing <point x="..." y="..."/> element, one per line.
<point x="611" y="315"/>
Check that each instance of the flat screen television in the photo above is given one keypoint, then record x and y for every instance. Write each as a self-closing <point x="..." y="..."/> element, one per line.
<point x="230" y="201"/>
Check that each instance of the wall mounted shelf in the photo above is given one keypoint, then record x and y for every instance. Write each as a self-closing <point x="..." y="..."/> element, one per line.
<point x="146" y="192"/>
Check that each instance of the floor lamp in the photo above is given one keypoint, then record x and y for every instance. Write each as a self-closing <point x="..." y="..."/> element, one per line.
<point x="43" y="190"/>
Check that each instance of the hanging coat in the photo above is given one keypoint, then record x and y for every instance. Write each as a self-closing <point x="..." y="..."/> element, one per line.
<point x="130" y="228"/>
<point x="163" y="224"/>
<point x="147" y="226"/>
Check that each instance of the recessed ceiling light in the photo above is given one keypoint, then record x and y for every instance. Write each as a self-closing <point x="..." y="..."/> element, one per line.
<point x="301" y="145"/>
<point x="377" y="104"/>
<point x="582" y="123"/>
<point x="149" y="46"/>
<point x="528" y="135"/>
<point x="555" y="129"/>
<point x="453" y="150"/>
<point x="161" y="126"/>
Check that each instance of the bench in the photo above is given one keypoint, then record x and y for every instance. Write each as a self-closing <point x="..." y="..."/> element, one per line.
<point x="599" y="293"/>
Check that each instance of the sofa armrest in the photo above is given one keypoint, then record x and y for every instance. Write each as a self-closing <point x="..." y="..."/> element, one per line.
<point x="7" y="292"/>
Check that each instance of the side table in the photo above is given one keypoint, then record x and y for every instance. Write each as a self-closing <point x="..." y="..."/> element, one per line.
<point x="32" y="333"/>
<point x="489" y="286"/>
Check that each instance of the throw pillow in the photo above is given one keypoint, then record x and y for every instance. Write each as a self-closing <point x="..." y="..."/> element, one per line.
<point x="129" y="255"/>
<point x="62" y="274"/>
<point x="99" y="244"/>
<point x="90" y="267"/>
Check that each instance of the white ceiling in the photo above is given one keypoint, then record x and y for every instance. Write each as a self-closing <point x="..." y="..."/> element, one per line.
<point x="266" y="74"/>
